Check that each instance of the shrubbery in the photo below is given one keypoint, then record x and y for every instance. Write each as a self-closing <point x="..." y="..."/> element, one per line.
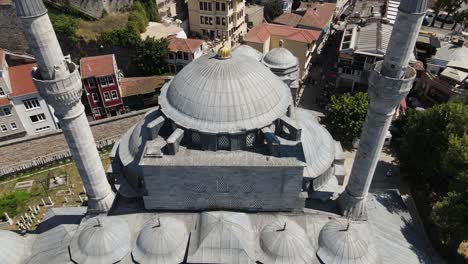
<point x="65" y="25"/>
<point x="345" y="117"/>
<point x="434" y="155"/>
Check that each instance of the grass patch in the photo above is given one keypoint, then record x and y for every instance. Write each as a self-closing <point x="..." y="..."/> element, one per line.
<point x="14" y="202"/>
<point x="91" y="30"/>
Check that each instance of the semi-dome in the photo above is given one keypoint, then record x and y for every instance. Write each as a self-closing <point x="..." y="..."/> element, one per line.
<point x="284" y="241"/>
<point x="101" y="240"/>
<point x="342" y="241"/>
<point x="219" y="95"/>
<point x="246" y="50"/>
<point x="162" y="240"/>
<point x="280" y="58"/>
<point x="12" y="247"/>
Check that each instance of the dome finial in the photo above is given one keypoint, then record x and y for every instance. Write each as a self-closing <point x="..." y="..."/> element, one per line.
<point x="224" y="52"/>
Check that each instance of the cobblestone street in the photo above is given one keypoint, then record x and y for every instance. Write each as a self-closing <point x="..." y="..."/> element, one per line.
<point x="27" y="150"/>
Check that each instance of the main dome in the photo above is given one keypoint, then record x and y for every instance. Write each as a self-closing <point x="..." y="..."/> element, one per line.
<point x="231" y="95"/>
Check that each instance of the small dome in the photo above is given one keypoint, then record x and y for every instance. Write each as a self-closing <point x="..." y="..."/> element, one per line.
<point x="12" y="247"/>
<point x="280" y="58"/>
<point x="215" y="95"/>
<point x="162" y="240"/>
<point x="101" y="240"/>
<point x="285" y="241"/>
<point x="341" y="241"/>
<point x="246" y="50"/>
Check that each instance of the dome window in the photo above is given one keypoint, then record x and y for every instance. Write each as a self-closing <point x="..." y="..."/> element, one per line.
<point x="223" y="142"/>
<point x="196" y="139"/>
<point x="250" y="140"/>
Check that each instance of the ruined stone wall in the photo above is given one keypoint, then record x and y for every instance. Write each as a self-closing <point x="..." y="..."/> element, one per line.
<point x="94" y="8"/>
<point x="11" y="30"/>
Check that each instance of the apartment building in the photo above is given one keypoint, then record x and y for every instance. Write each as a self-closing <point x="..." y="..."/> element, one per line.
<point x="300" y="42"/>
<point x="101" y="82"/>
<point x="360" y="48"/>
<point x="218" y="19"/>
<point x="182" y="51"/>
<point x="22" y="110"/>
<point x="166" y="8"/>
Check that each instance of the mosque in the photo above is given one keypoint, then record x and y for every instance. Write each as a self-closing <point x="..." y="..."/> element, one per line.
<point x="225" y="170"/>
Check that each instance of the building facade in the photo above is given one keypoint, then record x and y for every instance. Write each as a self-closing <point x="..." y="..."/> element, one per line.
<point x="218" y="19"/>
<point x="300" y="42"/>
<point x="182" y="51"/>
<point x="101" y="81"/>
<point x="166" y="8"/>
<point x="22" y="110"/>
<point x="360" y="48"/>
<point x="446" y="76"/>
<point x="254" y="15"/>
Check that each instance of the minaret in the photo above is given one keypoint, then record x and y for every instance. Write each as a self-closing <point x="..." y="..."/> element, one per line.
<point x="389" y="83"/>
<point x="58" y="81"/>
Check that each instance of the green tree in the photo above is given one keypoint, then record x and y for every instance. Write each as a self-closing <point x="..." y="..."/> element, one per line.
<point x="451" y="7"/>
<point x="65" y="25"/>
<point x="345" y="117"/>
<point x="150" y="56"/>
<point x="424" y="162"/>
<point x="151" y="10"/>
<point x="450" y="215"/>
<point x="273" y="9"/>
<point x="462" y="18"/>
<point x="434" y="154"/>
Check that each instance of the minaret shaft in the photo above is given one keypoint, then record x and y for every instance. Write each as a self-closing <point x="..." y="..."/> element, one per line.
<point x="389" y="82"/>
<point x="59" y="83"/>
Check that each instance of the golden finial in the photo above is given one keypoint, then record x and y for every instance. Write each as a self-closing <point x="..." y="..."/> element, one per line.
<point x="224" y="52"/>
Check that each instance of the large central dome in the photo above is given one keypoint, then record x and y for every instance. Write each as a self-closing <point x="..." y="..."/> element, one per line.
<point x="225" y="95"/>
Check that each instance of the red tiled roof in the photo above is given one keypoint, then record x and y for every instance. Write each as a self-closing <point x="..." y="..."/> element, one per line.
<point x="261" y="33"/>
<point x="318" y="15"/>
<point x="97" y="66"/>
<point x="4" y="101"/>
<point x="288" y="19"/>
<point x="21" y="80"/>
<point x="141" y="85"/>
<point x="184" y="45"/>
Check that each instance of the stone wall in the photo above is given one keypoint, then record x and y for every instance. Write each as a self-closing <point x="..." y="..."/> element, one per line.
<point x="31" y="152"/>
<point x="11" y="30"/>
<point x="94" y="8"/>
<point x="218" y="188"/>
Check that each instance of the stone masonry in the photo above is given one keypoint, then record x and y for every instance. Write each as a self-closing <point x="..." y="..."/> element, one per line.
<point x="30" y="148"/>
<point x="11" y="32"/>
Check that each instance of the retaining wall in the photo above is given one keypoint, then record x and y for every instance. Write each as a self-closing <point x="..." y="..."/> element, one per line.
<point x="27" y="153"/>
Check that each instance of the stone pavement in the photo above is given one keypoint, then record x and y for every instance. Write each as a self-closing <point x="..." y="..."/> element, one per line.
<point x="31" y="148"/>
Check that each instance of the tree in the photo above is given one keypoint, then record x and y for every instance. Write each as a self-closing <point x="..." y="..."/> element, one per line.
<point x="273" y="9"/>
<point x="438" y="5"/>
<point x="450" y="215"/>
<point x="451" y="7"/>
<point x="345" y="117"/>
<point x="424" y="162"/>
<point x="434" y="154"/>
<point x="150" y="56"/>
<point x="65" y="25"/>
<point x="462" y="18"/>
